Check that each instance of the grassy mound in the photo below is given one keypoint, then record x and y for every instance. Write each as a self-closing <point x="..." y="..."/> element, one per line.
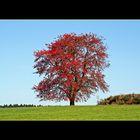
<point x="121" y="99"/>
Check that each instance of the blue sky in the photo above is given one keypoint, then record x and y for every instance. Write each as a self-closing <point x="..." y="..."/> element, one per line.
<point x="20" y="38"/>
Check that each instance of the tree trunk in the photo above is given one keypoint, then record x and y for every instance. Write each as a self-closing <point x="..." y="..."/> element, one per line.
<point x="71" y="103"/>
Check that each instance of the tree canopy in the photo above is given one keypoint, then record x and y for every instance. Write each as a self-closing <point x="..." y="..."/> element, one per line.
<point x="72" y="67"/>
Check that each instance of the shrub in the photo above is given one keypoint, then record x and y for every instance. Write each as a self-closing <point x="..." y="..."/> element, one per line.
<point x="121" y="99"/>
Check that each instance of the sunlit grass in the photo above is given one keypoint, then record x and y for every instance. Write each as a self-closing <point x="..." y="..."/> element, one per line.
<point x="108" y="112"/>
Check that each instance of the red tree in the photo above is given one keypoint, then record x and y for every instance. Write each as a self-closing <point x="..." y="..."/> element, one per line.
<point x="72" y="66"/>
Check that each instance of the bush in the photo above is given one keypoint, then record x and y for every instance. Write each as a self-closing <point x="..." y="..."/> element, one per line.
<point x="121" y="99"/>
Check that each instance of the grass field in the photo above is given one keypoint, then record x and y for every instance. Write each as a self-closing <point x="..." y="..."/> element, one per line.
<point x="108" y="112"/>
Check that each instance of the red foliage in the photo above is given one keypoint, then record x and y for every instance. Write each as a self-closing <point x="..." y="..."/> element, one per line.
<point x="72" y="66"/>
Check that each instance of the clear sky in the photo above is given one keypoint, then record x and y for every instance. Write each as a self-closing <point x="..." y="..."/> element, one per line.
<point x="20" y="38"/>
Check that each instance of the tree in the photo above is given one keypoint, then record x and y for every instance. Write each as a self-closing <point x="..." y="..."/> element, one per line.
<point x="72" y="67"/>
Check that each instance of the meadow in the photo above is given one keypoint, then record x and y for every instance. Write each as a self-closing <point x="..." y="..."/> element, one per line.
<point x="68" y="113"/>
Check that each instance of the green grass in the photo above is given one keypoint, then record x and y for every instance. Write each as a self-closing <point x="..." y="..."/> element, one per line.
<point x="108" y="112"/>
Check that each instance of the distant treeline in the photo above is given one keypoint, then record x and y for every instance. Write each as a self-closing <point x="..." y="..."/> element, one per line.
<point x="19" y="105"/>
